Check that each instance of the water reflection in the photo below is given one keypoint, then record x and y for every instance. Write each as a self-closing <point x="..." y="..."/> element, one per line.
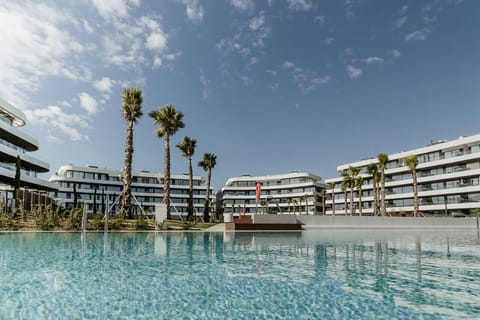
<point x="326" y="274"/>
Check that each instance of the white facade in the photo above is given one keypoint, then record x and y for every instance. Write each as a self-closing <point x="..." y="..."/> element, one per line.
<point x="15" y="143"/>
<point x="293" y="192"/>
<point x="98" y="188"/>
<point x="447" y="178"/>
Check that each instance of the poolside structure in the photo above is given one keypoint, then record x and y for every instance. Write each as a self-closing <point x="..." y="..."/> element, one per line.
<point x="294" y="192"/>
<point x="96" y="187"/>
<point x="447" y="177"/>
<point x="14" y="148"/>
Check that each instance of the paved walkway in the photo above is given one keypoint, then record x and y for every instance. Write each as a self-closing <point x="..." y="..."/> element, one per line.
<point x="217" y="228"/>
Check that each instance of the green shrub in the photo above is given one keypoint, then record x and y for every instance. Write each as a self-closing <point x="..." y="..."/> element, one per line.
<point x="141" y="223"/>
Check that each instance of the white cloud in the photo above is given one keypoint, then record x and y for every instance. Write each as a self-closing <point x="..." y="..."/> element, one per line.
<point x="157" y="62"/>
<point x="194" y="10"/>
<point x="173" y="56"/>
<point x="371" y="60"/>
<point x="395" y="53"/>
<point x="68" y="123"/>
<point x="257" y="22"/>
<point x="305" y="79"/>
<point x="87" y="27"/>
<point x="104" y="85"/>
<point x="204" y="81"/>
<point x="88" y="103"/>
<point x="242" y="4"/>
<point x="288" y="64"/>
<point x="327" y="41"/>
<point x="401" y="18"/>
<point x="353" y="72"/>
<point x="156" y="41"/>
<point x="419" y="35"/>
<point x="319" y="19"/>
<point x="300" y="5"/>
<point x="113" y="9"/>
<point x="36" y="44"/>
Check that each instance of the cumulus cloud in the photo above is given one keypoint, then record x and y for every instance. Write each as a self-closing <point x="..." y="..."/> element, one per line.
<point x="242" y="4"/>
<point x="401" y="18"/>
<point x="104" y="85"/>
<point x="306" y="79"/>
<point x="113" y="9"/>
<point x="36" y="44"/>
<point x="353" y="72"/>
<point x="319" y="19"/>
<point x="395" y="53"/>
<point x="204" y="82"/>
<point x="371" y="60"/>
<point x="257" y="22"/>
<point x="68" y="123"/>
<point x="300" y="5"/>
<point x="88" y="103"/>
<point x="194" y="10"/>
<point x="419" y="35"/>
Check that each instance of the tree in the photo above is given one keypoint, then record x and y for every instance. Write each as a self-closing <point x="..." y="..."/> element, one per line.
<point x="289" y="201"/>
<point x="169" y="121"/>
<point x="295" y="202"/>
<point x="208" y="162"/>
<point x="131" y="112"/>
<point x="358" y="184"/>
<point x="412" y="163"/>
<point x="323" y="193"/>
<point x="372" y="169"/>
<point x="382" y="163"/>
<point x="344" y="187"/>
<point x="332" y="186"/>
<point x="353" y="178"/>
<point x="17" y="182"/>
<point x="187" y="146"/>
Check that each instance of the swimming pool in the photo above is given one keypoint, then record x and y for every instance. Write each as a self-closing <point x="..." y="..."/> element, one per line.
<point x="297" y="275"/>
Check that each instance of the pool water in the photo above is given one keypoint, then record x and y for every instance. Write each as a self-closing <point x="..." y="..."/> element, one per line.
<point x="296" y="275"/>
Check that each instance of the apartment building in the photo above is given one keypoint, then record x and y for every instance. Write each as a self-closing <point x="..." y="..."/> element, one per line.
<point x="294" y="192"/>
<point x="100" y="188"/>
<point x="15" y="146"/>
<point x="447" y="177"/>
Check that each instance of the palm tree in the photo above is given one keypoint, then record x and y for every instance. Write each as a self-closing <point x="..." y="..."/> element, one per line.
<point x="295" y="202"/>
<point x="382" y="163"/>
<point x="290" y="201"/>
<point x="303" y="198"/>
<point x="208" y="163"/>
<point x="344" y="187"/>
<point x="353" y="178"/>
<point x="169" y="121"/>
<point x="323" y="193"/>
<point x="358" y="184"/>
<point x="412" y="163"/>
<point x="372" y="169"/>
<point x="187" y="146"/>
<point x="332" y="186"/>
<point x="131" y="112"/>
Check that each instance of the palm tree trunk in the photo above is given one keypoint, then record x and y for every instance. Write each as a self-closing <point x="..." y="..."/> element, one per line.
<point x="166" y="194"/>
<point x="323" y="203"/>
<point x="206" y="213"/>
<point x="333" y="202"/>
<point x="383" y="209"/>
<point x="374" y="188"/>
<point x="345" y="198"/>
<point x="360" y="200"/>
<point x="415" y="194"/>
<point x="351" y="201"/>
<point x="127" y="172"/>
<point x="190" y="188"/>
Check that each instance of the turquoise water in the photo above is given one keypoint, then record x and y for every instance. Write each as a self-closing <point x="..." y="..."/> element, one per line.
<point x="304" y="275"/>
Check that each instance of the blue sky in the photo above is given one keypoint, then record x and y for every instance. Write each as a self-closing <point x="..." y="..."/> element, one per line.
<point x="270" y="86"/>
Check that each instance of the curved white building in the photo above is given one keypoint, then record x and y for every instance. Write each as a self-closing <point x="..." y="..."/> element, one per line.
<point x="15" y="143"/>
<point x="92" y="184"/>
<point x="447" y="174"/>
<point x="294" y="192"/>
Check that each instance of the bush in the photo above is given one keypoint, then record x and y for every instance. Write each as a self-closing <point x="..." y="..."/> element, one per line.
<point x="141" y="223"/>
